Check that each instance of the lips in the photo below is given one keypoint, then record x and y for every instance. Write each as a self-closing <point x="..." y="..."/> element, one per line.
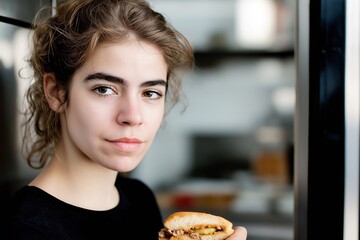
<point x="127" y="144"/>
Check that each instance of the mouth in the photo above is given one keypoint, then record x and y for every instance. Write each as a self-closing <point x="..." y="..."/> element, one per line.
<point x="127" y="145"/>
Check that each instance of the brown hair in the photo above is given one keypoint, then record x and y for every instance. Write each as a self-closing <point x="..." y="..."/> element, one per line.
<point x="62" y="44"/>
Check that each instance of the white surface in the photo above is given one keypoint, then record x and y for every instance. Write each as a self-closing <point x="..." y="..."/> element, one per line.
<point x="352" y="100"/>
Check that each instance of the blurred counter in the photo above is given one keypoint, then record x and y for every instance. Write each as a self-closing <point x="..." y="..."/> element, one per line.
<point x="266" y="211"/>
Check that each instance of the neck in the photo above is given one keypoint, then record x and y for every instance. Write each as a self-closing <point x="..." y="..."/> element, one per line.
<point x="79" y="181"/>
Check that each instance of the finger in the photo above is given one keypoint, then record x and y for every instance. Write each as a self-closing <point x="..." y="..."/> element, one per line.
<point x="240" y="233"/>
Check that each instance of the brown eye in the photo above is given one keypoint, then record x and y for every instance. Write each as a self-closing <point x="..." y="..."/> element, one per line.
<point x="152" y="94"/>
<point x="104" y="90"/>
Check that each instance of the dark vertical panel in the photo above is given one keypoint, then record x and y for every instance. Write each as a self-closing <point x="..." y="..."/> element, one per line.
<point x="326" y="120"/>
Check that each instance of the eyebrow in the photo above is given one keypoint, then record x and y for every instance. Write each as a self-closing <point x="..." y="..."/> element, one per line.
<point x="121" y="81"/>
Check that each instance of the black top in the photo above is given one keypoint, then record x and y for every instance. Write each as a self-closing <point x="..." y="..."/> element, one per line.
<point x="39" y="215"/>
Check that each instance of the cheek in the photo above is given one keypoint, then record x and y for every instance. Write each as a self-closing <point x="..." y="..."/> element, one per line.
<point x="159" y="121"/>
<point x="84" y="117"/>
<point x="157" y="117"/>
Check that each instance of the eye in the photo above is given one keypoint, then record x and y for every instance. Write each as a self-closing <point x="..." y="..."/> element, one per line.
<point x="104" y="90"/>
<point x="153" y="95"/>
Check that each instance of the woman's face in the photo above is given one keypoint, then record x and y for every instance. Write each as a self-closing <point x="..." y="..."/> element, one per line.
<point x="116" y="105"/>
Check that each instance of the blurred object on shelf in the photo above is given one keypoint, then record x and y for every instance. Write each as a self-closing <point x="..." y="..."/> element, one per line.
<point x="272" y="166"/>
<point x="251" y="202"/>
<point x="198" y="194"/>
<point x="201" y="202"/>
<point x="285" y="203"/>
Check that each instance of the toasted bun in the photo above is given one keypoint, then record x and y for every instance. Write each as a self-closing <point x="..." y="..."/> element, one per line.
<point x="190" y="220"/>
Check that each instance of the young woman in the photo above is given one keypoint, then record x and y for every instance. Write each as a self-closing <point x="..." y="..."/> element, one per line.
<point x="105" y="72"/>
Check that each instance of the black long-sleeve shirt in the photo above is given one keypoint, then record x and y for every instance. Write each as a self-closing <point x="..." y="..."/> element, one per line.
<point x="39" y="215"/>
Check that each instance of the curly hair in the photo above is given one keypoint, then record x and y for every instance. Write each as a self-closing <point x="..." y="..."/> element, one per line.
<point x="62" y="43"/>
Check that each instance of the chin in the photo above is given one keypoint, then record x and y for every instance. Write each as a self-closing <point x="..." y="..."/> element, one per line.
<point x="124" y="166"/>
<point x="125" y="169"/>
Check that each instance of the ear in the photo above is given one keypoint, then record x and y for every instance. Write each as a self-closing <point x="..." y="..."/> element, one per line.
<point x="54" y="95"/>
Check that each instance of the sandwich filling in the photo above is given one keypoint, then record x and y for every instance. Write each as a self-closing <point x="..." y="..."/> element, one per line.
<point x="194" y="233"/>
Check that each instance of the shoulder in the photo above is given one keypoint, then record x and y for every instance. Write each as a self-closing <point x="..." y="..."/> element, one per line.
<point x="28" y="201"/>
<point x="26" y="197"/>
<point x="31" y="205"/>
<point x="31" y="210"/>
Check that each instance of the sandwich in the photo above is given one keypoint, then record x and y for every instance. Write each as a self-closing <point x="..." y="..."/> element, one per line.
<point x="195" y="225"/>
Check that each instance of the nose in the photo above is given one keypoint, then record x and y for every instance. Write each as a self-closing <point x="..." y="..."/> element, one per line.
<point x="129" y="111"/>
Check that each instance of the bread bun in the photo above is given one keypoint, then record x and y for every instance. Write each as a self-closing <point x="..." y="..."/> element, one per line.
<point x="195" y="225"/>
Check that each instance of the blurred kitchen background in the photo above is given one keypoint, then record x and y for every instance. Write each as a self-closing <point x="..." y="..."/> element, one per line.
<point x="231" y="151"/>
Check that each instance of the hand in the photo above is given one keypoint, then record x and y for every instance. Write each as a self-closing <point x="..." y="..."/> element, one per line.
<point x="240" y="233"/>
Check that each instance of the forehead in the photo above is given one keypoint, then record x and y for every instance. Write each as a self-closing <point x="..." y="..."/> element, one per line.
<point x="131" y="58"/>
<point x="130" y="48"/>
